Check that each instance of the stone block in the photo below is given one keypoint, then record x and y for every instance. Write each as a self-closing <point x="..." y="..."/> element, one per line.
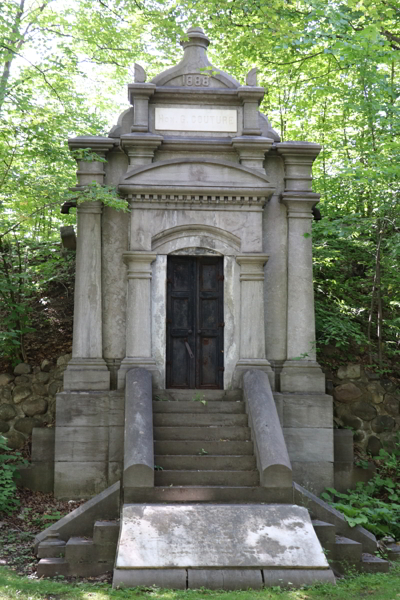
<point x="43" y="444"/>
<point x="81" y="520"/>
<point x="76" y="480"/>
<point x="300" y="410"/>
<point x="79" y="549"/>
<point x="242" y="536"/>
<point x="51" y="567"/>
<point x="85" y="444"/>
<point x="117" y="409"/>
<point x="106" y="533"/>
<point x="305" y="445"/>
<point x="116" y="444"/>
<point x="38" y="477"/>
<point x="82" y="409"/>
<point x="314" y="476"/>
<point x="163" y="578"/>
<point x="347" y="392"/>
<point x="225" y="579"/>
<point x="302" y="376"/>
<point x="297" y="578"/>
<point x="349" y="372"/>
<point x="86" y="378"/>
<point x="114" y="472"/>
<point x="343" y="445"/>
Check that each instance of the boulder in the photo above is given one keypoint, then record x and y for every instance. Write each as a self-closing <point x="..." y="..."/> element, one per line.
<point x="6" y="378"/>
<point x="349" y="372"/>
<point x="46" y="365"/>
<point x="15" y="440"/>
<point x="22" y="369"/>
<point x="364" y="410"/>
<point x="374" y="445"/>
<point x="4" y="427"/>
<point x="39" y="389"/>
<point x="359" y="436"/>
<point x="5" y="393"/>
<point x="7" y="412"/>
<point x="63" y="360"/>
<point x="54" y="387"/>
<point x="21" y="379"/>
<point x="21" y="392"/>
<point x="383" y="423"/>
<point x="347" y="392"/>
<point x="42" y="377"/>
<point x="26" y="424"/>
<point x="351" y="421"/>
<point x="392" y="404"/>
<point x="36" y="406"/>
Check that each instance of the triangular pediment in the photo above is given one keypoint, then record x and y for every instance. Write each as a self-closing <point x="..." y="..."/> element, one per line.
<point x="196" y="176"/>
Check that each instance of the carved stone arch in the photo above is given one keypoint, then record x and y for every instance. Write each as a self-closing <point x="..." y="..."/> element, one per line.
<point x="196" y="236"/>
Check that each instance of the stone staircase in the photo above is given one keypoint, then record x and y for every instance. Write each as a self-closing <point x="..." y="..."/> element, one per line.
<point x="203" y="454"/>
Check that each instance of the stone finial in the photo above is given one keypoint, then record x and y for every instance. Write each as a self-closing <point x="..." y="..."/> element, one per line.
<point x="196" y="37"/>
<point x="251" y="78"/>
<point x="140" y="74"/>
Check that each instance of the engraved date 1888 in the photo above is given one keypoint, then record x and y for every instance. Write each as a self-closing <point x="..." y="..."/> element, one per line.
<point x="196" y="80"/>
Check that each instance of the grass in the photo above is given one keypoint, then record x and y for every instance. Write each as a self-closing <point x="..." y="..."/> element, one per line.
<point x="374" y="586"/>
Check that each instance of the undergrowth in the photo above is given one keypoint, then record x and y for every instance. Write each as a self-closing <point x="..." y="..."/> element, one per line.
<point x="376" y="504"/>
<point x="9" y="465"/>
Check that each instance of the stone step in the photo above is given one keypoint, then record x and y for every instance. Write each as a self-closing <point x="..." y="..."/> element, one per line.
<point x="199" y="420"/>
<point x="51" y="567"/>
<point x="189" y="395"/>
<point x="374" y="564"/>
<point x="344" y="554"/>
<point x="206" y="462"/>
<point x="325" y="532"/>
<point x="51" y="549"/>
<point x="106" y="532"/>
<point x="393" y="552"/>
<point x="202" y="433"/>
<point x="219" y="494"/>
<point x="79" y="549"/>
<point x="177" y="447"/>
<point x="207" y="478"/>
<point x="212" y="406"/>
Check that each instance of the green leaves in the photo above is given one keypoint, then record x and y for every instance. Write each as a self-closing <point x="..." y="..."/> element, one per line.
<point x="9" y="465"/>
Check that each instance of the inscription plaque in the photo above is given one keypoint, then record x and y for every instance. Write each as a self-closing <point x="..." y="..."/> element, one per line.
<point x="196" y="119"/>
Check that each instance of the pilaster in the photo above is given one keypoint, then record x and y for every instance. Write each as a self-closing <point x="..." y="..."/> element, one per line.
<point x="251" y="97"/>
<point x="252" y="333"/>
<point x="138" y="315"/>
<point x="139" y="95"/>
<point x="301" y="372"/>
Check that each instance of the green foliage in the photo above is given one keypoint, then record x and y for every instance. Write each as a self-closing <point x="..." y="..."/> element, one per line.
<point x="376" y="504"/>
<point x="99" y="193"/>
<point x="9" y="465"/>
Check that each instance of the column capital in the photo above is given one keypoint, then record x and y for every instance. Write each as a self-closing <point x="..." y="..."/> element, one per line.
<point x="138" y="264"/>
<point x="94" y="208"/>
<point x="143" y="90"/>
<point x="299" y="151"/>
<point x="98" y="144"/>
<point x="299" y="158"/>
<point x="300" y="204"/>
<point x="140" y="147"/>
<point x="252" y="266"/>
<point x="252" y="150"/>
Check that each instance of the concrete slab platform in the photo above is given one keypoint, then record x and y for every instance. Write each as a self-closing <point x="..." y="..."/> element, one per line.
<point x="212" y="536"/>
<point x="225" y="579"/>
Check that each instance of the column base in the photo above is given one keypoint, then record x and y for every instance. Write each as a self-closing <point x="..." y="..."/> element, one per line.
<point x="245" y="364"/>
<point x="144" y="362"/>
<point x="86" y="374"/>
<point x="304" y="376"/>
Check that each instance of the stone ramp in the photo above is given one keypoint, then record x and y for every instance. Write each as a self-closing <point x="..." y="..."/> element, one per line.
<point x="218" y="546"/>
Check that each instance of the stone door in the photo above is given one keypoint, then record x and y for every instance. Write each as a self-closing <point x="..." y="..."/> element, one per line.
<point x="195" y="324"/>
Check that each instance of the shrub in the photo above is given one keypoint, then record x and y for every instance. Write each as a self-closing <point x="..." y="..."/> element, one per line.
<point x="9" y="465"/>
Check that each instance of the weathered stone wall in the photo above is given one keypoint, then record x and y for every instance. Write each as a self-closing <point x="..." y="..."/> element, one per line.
<point x="27" y="398"/>
<point x="367" y="405"/>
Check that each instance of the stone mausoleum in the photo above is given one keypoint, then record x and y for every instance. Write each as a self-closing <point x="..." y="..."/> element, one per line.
<point x="193" y="400"/>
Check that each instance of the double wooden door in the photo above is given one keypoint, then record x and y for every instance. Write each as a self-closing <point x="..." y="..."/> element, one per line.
<point x="195" y="327"/>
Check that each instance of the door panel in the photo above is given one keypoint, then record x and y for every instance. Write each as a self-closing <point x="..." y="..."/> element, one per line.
<point x="195" y="322"/>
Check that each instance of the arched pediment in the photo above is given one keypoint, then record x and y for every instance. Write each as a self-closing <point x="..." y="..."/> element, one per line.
<point x="196" y="236"/>
<point x="198" y="176"/>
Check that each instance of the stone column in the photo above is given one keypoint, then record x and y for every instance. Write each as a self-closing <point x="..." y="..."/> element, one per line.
<point x="301" y="372"/>
<point x="251" y="98"/>
<point x="252" y="332"/>
<point x="139" y="96"/>
<point x="138" y="314"/>
<point x="87" y="369"/>
<point x="140" y="148"/>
